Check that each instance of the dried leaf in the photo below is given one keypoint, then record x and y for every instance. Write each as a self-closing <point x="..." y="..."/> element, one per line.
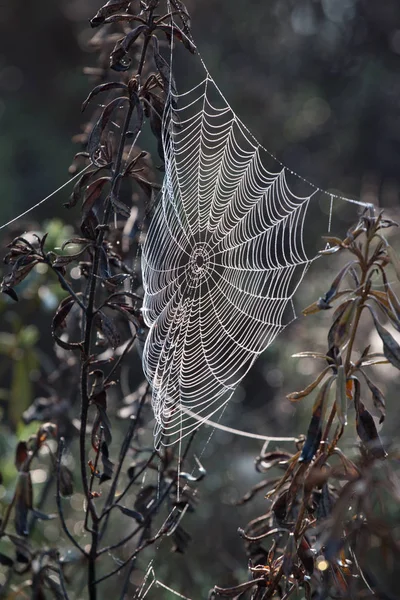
<point x="331" y="250"/>
<point x="341" y="395"/>
<point x="89" y="226"/>
<point x="322" y="304"/>
<point x="104" y="87"/>
<point x="66" y="481"/>
<point x="314" y="432"/>
<point x="92" y="193"/>
<point x="97" y="131"/>
<point x="108" y="329"/>
<point x="333" y="290"/>
<point x="76" y="241"/>
<point x="382" y="300"/>
<point x="21" y="454"/>
<point x="148" y="186"/>
<point x="20" y="271"/>
<point x="381" y="297"/>
<point x="23" y="502"/>
<point x="332" y="241"/>
<point x="23" y="553"/>
<point x="391" y="348"/>
<point x="100" y="401"/>
<point x="313" y="308"/>
<point x="80" y="187"/>
<point x="295" y="396"/>
<point x="116" y="281"/>
<point x="119" y="61"/>
<point x="340" y="330"/>
<point x="132" y="36"/>
<point x="128" y="311"/>
<point x="108" y="465"/>
<point x="109" y="9"/>
<point x="59" y="322"/>
<point x="350" y="469"/>
<point x="372" y="360"/>
<point x="65" y="260"/>
<point x="368" y="433"/>
<point x="377" y="396"/>
<point x="310" y="355"/>
<point x="9" y="292"/>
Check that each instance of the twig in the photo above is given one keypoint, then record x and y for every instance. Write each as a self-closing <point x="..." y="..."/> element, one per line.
<point x="62" y="581"/>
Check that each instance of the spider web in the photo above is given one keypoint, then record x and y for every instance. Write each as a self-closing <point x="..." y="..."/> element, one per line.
<point x="150" y="579"/>
<point x="222" y="260"/>
<point x="223" y="257"/>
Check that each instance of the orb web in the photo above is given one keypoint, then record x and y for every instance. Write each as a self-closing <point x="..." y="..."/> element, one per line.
<point x="222" y="260"/>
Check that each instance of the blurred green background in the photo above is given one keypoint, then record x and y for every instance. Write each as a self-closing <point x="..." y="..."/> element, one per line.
<point x="318" y="82"/>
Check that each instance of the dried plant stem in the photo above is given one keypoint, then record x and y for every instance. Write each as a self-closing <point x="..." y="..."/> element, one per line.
<point x="89" y="321"/>
<point x="87" y="345"/>
<point x="353" y="335"/>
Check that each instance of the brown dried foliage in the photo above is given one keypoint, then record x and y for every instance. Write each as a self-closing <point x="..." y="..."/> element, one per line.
<point x="331" y="507"/>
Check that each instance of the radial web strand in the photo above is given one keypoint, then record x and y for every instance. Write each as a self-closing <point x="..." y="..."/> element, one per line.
<point x="223" y="258"/>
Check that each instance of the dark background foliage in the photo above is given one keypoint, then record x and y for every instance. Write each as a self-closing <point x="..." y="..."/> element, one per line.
<point x="318" y="82"/>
